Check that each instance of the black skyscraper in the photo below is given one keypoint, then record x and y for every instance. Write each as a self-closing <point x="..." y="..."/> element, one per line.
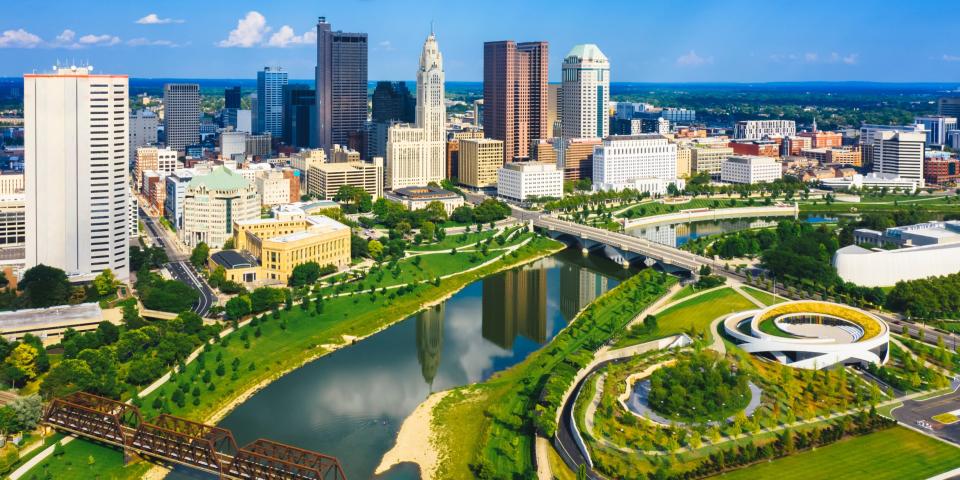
<point x="299" y="115"/>
<point x="231" y="97"/>
<point x="392" y="101"/>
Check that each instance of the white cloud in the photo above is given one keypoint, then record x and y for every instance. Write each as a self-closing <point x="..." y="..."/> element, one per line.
<point x="19" y="38"/>
<point x="99" y="40"/>
<point x="153" y="19"/>
<point x="385" y="46"/>
<point x="814" y="57"/>
<point x="67" y="36"/>
<point x="143" y="42"/>
<point x="691" y="59"/>
<point x="286" y="37"/>
<point x="851" y="59"/>
<point x="249" y="32"/>
<point x="951" y="58"/>
<point x="811" y="57"/>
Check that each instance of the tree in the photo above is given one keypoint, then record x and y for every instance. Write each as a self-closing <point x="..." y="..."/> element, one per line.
<point x="217" y="277"/>
<point x="237" y="307"/>
<point x="199" y="255"/>
<point x="24" y="357"/>
<point x="428" y="230"/>
<point x="44" y="286"/>
<point x="26" y="413"/>
<point x="375" y="248"/>
<point x="228" y="244"/>
<point x="68" y="376"/>
<point x="105" y="283"/>
<point x="305" y="274"/>
<point x="131" y="317"/>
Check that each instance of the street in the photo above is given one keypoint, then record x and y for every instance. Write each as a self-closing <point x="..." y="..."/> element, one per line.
<point x="179" y="266"/>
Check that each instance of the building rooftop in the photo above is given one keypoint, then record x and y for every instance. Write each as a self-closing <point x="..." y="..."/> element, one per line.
<point x="18" y="320"/>
<point x="531" y="166"/>
<point x="221" y="178"/>
<point x="423" y="193"/>
<point x="587" y="51"/>
<point x="231" y="259"/>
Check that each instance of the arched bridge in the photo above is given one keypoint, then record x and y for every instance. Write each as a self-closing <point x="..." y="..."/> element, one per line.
<point x="622" y="247"/>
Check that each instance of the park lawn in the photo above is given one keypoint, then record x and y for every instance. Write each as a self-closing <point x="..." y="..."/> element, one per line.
<point x="657" y="208"/>
<point x="297" y="336"/>
<point x="458" y="241"/>
<point x="558" y="468"/>
<point x="764" y="297"/>
<point x="75" y="464"/>
<point x="684" y="292"/>
<point x="895" y="453"/>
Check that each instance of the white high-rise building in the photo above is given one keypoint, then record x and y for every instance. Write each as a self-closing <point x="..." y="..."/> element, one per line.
<point x="76" y="142"/>
<point x="270" y="82"/>
<point x="757" y="129"/>
<point x="585" y="93"/>
<point x="416" y="155"/>
<point x="645" y="162"/>
<point x="519" y="181"/>
<point x="899" y="153"/>
<point x="143" y="129"/>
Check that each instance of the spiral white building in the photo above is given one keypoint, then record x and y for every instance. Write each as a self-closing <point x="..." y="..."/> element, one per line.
<point x="811" y="335"/>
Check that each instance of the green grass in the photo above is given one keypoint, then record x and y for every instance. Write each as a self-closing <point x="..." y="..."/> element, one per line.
<point x="75" y="464"/>
<point x="456" y="241"/>
<point x="692" y="317"/>
<point x="286" y="342"/>
<point x="895" y="453"/>
<point x="765" y="298"/>
<point x="684" y="292"/>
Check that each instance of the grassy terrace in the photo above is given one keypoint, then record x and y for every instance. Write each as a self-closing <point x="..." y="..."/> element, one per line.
<point x="256" y="354"/>
<point x="486" y="429"/>
<point x="692" y="317"/>
<point x="896" y="453"/>
<point x="454" y="241"/>
<point x="763" y="297"/>
<point x="649" y="209"/>
<point x="83" y="460"/>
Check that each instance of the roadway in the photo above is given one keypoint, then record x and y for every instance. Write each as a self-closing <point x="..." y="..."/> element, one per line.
<point x="915" y="411"/>
<point x="179" y="267"/>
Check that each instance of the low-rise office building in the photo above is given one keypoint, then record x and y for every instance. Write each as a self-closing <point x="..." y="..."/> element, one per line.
<point x="834" y="155"/>
<point x="646" y="161"/>
<point x="415" y="198"/>
<point x="324" y="180"/>
<point x="709" y="158"/>
<point x="520" y="181"/>
<point x="273" y="187"/>
<point x="941" y="171"/>
<point x="480" y="158"/>
<point x="213" y="203"/>
<point x="49" y="324"/>
<point x="292" y="238"/>
<point x="750" y="169"/>
<point x="871" y="180"/>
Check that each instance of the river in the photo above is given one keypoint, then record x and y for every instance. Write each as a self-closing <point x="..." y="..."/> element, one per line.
<point x="351" y="403"/>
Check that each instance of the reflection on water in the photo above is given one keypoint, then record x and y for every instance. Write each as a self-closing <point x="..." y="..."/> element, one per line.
<point x="350" y="403"/>
<point x="679" y="234"/>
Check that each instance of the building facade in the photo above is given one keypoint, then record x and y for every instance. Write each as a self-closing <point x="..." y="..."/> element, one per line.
<point x="181" y="114"/>
<point x="936" y="127"/>
<point x="480" y="158"/>
<point x="520" y="181"/>
<point x="757" y="129"/>
<point x="325" y="179"/>
<point x="76" y="143"/>
<point x="213" y="202"/>
<point x="750" y="169"/>
<point x="153" y="159"/>
<point x="143" y="129"/>
<point x="341" y="85"/>
<point x="270" y="83"/>
<point x="585" y="93"/>
<point x="515" y="95"/>
<point x="709" y="158"/>
<point x="299" y="115"/>
<point x="575" y="157"/>
<point x="621" y="161"/>
<point x="417" y="198"/>
<point x="899" y="153"/>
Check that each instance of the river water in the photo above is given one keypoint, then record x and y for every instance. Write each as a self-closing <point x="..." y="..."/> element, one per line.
<point x="351" y="403"/>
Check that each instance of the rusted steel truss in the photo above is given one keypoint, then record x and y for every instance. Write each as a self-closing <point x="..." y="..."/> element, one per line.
<point x="93" y="416"/>
<point x="267" y="459"/>
<point x="190" y="443"/>
<point x="173" y="439"/>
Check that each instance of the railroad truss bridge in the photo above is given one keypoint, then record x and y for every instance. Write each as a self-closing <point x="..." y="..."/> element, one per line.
<point x="175" y="440"/>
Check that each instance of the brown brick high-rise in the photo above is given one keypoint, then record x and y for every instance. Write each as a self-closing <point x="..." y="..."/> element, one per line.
<point x="515" y="95"/>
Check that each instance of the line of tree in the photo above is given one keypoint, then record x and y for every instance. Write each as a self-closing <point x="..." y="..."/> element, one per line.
<point x="156" y="293"/>
<point x="927" y="298"/>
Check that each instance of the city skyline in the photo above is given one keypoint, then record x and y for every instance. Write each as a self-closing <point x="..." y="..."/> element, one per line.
<point x="700" y="43"/>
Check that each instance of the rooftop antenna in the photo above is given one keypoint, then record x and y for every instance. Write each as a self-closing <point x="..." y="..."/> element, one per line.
<point x="431" y="26"/>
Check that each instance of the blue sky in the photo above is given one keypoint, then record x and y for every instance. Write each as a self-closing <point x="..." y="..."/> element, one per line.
<point x="646" y="41"/>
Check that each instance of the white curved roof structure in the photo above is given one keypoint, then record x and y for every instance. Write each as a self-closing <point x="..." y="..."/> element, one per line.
<point x="810" y="334"/>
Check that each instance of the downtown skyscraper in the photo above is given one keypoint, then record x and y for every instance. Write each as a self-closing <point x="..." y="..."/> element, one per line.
<point x="181" y="114"/>
<point x="585" y="93"/>
<point x="416" y="155"/>
<point x="76" y="128"/>
<point x="515" y="95"/>
<point x="270" y="83"/>
<point x="341" y="85"/>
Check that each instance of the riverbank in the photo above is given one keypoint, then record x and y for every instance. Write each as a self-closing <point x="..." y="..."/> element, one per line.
<point x="415" y="441"/>
<point x="296" y="337"/>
